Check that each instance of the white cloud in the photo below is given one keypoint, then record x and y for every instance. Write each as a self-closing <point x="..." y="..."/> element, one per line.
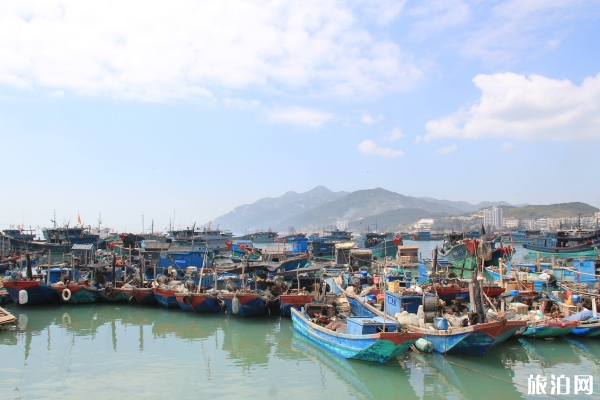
<point x="395" y="134"/>
<point x="507" y="146"/>
<point x="202" y="50"/>
<point x="447" y="149"/>
<point x="370" y="147"/>
<point x="57" y="93"/>
<point x="299" y="116"/>
<point x="369" y="120"/>
<point x="526" y="108"/>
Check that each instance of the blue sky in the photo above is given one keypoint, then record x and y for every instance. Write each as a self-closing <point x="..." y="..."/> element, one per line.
<point x="138" y="108"/>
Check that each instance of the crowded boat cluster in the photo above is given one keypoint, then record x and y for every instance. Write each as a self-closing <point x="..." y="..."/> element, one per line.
<point x="369" y="297"/>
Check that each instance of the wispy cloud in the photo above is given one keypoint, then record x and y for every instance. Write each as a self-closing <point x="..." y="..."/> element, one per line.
<point x="395" y="134"/>
<point x="526" y="108"/>
<point x="200" y="50"/>
<point x="299" y="116"/>
<point x="370" y="147"/>
<point x="447" y="149"/>
<point x="369" y="120"/>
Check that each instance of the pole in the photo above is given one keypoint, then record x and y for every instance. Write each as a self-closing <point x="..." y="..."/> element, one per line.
<point x="114" y="269"/>
<point x="48" y="269"/>
<point x="141" y="265"/>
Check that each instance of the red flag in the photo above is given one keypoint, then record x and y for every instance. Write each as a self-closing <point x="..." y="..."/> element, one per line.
<point x="284" y="241"/>
<point x="277" y="239"/>
<point x="78" y="218"/>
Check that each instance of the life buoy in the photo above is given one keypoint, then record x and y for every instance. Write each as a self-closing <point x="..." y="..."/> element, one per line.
<point x="81" y="236"/>
<point x="373" y="240"/>
<point x="108" y="290"/>
<point x="66" y="294"/>
<point x="187" y="300"/>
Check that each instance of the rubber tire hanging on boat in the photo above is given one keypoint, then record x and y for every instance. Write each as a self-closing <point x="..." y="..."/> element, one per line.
<point x="108" y="290"/>
<point x="132" y="301"/>
<point x="66" y="294"/>
<point x="187" y="300"/>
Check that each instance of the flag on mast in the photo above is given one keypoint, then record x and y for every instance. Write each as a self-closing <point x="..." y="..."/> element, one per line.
<point x="78" y="218"/>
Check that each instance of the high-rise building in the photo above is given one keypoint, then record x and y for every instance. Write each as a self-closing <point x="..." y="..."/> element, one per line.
<point x="492" y="216"/>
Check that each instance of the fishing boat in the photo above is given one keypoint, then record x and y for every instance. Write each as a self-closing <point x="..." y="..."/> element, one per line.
<point x="207" y="302"/>
<point x="165" y="295"/>
<point x="462" y="253"/>
<point x="143" y="295"/>
<point x="4" y="295"/>
<point x="29" y="289"/>
<point x="245" y="303"/>
<point x="113" y="293"/>
<point x="76" y="293"/>
<point x="566" y="243"/>
<point x="368" y="339"/>
<point x="546" y="328"/>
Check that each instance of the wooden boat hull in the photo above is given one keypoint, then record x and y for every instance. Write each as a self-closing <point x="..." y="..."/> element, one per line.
<point x="287" y="301"/>
<point x="38" y="292"/>
<point x="166" y="297"/>
<point x="546" y="329"/>
<point x="471" y="340"/>
<point x="198" y="302"/>
<point x="80" y="294"/>
<point x="115" y="296"/>
<point x="250" y="304"/>
<point x="143" y="296"/>
<point x="379" y="348"/>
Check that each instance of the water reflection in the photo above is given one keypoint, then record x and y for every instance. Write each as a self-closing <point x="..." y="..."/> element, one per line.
<point x="550" y="353"/>
<point x="248" y="340"/>
<point x="369" y="380"/>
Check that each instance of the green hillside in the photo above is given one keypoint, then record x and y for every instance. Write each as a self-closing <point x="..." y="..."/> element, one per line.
<point x="562" y="210"/>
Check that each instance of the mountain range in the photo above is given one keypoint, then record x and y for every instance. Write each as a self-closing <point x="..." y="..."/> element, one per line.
<point x="321" y="208"/>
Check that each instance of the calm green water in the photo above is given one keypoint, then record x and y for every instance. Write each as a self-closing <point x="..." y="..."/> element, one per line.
<point x="106" y="351"/>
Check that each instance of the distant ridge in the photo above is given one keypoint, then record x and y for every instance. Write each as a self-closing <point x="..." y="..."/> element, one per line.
<point x="270" y="212"/>
<point x="362" y="204"/>
<point x="320" y="208"/>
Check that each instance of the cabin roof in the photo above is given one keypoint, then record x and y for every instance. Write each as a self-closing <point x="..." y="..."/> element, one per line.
<point x="83" y="246"/>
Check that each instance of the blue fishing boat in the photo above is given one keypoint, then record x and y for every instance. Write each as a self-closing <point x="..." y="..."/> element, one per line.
<point x="470" y="340"/>
<point x="245" y="303"/>
<point x="30" y="292"/>
<point x="166" y="297"/>
<point x="571" y="243"/>
<point x="366" y="339"/>
<point x="199" y="302"/>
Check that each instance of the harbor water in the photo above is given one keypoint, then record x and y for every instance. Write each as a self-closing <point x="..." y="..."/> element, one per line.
<point x="107" y="351"/>
<point x="121" y="351"/>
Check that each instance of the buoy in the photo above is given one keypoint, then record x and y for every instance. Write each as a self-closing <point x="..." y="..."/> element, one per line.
<point x="187" y="300"/>
<point x="424" y="345"/>
<point x="235" y="304"/>
<point x="66" y="294"/>
<point x="23" y="297"/>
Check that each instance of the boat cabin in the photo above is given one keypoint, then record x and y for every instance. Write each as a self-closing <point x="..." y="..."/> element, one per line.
<point x="370" y="325"/>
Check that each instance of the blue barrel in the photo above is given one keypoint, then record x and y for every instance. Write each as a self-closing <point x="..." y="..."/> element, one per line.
<point x="575" y="298"/>
<point x="371" y="297"/>
<point x="440" y="324"/>
<point x="514" y="292"/>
